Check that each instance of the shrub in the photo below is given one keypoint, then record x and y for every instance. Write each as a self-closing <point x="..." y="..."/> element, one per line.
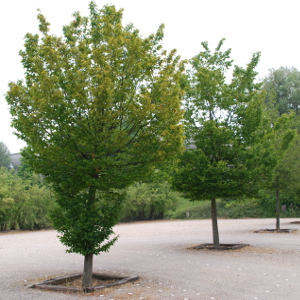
<point x="148" y="201"/>
<point x="24" y="203"/>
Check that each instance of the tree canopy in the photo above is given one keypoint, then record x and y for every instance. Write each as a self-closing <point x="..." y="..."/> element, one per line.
<point x="99" y="108"/>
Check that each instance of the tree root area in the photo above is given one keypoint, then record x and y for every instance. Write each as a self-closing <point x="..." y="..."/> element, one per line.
<point x="220" y="248"/>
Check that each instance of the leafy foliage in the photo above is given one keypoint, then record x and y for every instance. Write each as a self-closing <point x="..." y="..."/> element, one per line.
<point x="85" y="222"/>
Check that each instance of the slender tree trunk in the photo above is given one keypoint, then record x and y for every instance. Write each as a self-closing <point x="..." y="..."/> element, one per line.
<point x="277" y="210"/>
<point x="88" y="259"/>
<point x="87" y="272"/>
<point x="215" y="223"/>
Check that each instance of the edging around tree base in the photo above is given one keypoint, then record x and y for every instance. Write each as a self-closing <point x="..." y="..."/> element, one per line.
<point x="57" y="283"/>
<point x="275" y="231"/>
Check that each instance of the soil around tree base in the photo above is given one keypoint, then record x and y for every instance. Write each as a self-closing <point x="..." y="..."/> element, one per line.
<point x="275" y="231"/>
<point x="72" y="282"/>
<point x="222" y="247"/>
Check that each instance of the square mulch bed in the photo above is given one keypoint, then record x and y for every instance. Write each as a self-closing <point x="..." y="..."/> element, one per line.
<point x="72" y="283"/>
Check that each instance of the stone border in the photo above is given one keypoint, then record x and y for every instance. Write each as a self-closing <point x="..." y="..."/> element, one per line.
<point x="223" y="247"/>
<point x="275" y="231"/>
<point x="54" y="284"/>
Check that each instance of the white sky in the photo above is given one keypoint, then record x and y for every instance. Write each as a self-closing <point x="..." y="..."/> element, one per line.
<point x="268" y="26"/>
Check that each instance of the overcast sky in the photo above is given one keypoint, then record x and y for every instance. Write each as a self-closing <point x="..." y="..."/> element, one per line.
<point x="268" y="26"/>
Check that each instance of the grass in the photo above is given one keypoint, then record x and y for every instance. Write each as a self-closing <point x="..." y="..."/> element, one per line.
<point x="225" y="210"/>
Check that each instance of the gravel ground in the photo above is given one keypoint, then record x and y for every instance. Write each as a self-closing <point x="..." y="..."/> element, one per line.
<point x="157" y="251"/>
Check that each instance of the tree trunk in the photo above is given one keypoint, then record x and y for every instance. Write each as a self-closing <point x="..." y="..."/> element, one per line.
<point x="277" y="210"/>
<point x="215" y="223"/>
<point x="88" y="259"/>
<point x="87" y="272"/>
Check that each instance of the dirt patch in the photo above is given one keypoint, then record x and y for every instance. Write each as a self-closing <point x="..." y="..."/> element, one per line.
<point x="223" y="247"/>
<point x="141" y="289"/>
<point x="95" y="282"/>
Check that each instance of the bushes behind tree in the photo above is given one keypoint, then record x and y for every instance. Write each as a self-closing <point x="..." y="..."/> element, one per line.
<point x="24" y="202"/>
<point x="149" y="201"/>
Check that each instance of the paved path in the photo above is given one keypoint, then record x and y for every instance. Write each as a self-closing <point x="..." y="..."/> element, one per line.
<point x="157" y="251"/>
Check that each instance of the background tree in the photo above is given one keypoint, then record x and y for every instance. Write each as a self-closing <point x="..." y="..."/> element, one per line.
<point x="229" y="149"/>
<point x="286" y="177"/>
<point x="282" y="87"/>
<point x="5" y="160"/>
<point x="99" y="108"/>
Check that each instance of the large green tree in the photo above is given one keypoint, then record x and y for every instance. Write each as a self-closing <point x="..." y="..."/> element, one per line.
<point x="229" y="140"/>
<point x="99" y="108"/>
<point x="5" y="160"/>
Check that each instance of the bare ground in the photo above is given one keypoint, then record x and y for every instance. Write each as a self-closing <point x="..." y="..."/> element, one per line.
<point x="157" y="252"/>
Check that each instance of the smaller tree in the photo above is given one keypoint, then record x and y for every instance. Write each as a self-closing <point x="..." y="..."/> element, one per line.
<point x="229" y="151"/>
<point x="286" y="174"/>
<point x="5" y="160"/>
<point x="282" y="90"/>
